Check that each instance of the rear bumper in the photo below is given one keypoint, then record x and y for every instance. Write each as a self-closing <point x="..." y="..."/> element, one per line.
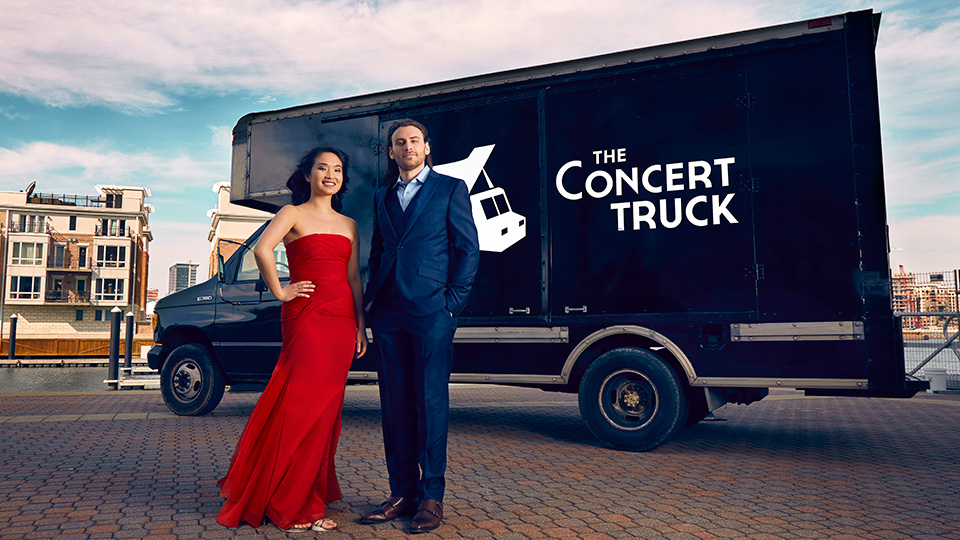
<point x="911" y="385"/>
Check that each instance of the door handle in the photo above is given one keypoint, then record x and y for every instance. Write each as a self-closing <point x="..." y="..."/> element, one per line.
<point x="568" y="309"/>
<point x="514" y="311"/>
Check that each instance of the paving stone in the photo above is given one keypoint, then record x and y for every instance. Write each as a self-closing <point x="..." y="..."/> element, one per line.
<point x="521" y="465"/>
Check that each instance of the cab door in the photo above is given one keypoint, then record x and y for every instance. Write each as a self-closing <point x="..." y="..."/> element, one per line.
<point x="248" y="316"/>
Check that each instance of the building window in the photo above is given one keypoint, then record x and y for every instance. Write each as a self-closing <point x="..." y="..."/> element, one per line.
<point x="59" y="256"/>
<point x="73" y="223"/>
<point x="114" y="201"/>
<point x="112" y="256"/>
<point x="112" y="227"/>
<point x="25" y="287"/>
<point x="27" y="253"/>
<point x="109" y="290"/>
<point x="98" y="314"/>
<point x="79" y="314"/>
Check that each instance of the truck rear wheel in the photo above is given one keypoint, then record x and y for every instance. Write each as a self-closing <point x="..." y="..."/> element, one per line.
<point x="191" y="384"/>
<point x="632" y="400"/>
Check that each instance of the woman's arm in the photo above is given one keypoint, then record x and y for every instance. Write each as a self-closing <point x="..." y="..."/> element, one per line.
<point x="353" y="276"/>
<point x="285" y="220"/>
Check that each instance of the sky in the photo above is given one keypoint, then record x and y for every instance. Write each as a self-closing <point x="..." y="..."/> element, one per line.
<point x="147" y="93"/>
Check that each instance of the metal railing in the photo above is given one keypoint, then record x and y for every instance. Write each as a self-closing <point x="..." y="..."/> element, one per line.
<point x="934" y="351"/>
<point x="36" y="227"/>
<point x="61" y="199"/>
<point x="66" y="297"/>
<point x="69" y="263"/>
<point x="113" y="230"/>
<point x="928" y="305"/>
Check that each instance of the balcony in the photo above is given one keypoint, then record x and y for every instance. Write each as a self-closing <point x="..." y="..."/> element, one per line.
<point x="69" y="263"/>
<point x="39" y="228"/>
<point x="66" y="297"/>
<point x="114" y="231"/>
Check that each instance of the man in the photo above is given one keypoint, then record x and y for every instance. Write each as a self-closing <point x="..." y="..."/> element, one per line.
<point x="423" y="258"/>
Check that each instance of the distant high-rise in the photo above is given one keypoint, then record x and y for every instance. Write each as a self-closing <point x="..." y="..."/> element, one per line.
<point x="182" y="275"/>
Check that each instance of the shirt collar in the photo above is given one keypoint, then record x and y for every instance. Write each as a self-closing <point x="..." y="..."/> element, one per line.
<point x="421" y="177"/>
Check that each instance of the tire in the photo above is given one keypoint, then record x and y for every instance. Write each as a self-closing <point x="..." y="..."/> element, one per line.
<point x="632" y="400"/>
<point x="191" y="384"/>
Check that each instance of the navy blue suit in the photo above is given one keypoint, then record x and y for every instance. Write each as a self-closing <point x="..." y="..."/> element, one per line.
<point x="422" y="264"/>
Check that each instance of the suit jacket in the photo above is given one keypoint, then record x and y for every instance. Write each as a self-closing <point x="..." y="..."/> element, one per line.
<point x="434" y="259"/>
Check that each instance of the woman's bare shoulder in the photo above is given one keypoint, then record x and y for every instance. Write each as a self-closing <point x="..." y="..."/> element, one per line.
<point x="351" y="226"/>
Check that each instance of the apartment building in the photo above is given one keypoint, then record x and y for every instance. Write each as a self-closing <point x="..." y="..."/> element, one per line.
<point x="181" y="276"/>
<point x="70" y="259"/>
<point x="230" y="224"/>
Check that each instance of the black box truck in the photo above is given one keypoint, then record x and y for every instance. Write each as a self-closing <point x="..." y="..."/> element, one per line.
<point x="662" y="230"/>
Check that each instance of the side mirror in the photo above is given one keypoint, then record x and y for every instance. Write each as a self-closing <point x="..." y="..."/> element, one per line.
<point x="261" y="285"/>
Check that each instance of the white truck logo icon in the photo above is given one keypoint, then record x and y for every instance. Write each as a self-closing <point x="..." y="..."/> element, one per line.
<point x="498" y="226"/>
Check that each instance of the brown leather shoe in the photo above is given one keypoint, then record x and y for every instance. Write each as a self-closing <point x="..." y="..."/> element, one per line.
<point x="391" y="508"/>
<point x="428" y="516"/>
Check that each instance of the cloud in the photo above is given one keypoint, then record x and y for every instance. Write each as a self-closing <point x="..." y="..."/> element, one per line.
<point x="74" y="169"/>
<point x="221" y="138"/>
<point x="142" y="57"/>
<point x="11" y="113"/>
<point x="919" y="82"/>
<point x="926" y="244"/>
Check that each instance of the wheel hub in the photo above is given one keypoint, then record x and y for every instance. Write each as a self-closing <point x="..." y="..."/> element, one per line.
<point x="632" y="398"/>
<point x="628" y="400"/>
<point x="187" y="380"/>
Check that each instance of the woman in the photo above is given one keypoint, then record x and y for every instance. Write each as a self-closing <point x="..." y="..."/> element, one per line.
<point x="283" y="465"/>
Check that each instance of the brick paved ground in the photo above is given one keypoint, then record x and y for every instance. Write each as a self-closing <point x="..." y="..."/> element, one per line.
<point x="522" y="465"/>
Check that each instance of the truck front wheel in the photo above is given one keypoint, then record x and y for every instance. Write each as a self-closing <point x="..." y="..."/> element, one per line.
<point x="632" y="400"/>
<point x="191" y="384"/>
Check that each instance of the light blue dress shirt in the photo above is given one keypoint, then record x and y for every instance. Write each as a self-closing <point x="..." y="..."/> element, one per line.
<point x="405" y="192"/>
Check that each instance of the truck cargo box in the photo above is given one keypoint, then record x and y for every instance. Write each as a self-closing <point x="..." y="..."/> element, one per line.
<point x="662" y="230"/>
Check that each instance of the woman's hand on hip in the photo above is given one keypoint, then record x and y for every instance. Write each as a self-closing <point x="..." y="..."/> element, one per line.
<point x="300" y="289"/>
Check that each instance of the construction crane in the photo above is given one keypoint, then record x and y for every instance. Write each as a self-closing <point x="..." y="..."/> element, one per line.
<point x="908" y="290"/>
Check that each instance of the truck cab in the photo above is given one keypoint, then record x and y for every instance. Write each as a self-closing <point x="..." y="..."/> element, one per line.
<point x="221" y="332"/>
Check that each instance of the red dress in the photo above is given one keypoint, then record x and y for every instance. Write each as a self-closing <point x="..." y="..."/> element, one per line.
<point x="283" y="467"/>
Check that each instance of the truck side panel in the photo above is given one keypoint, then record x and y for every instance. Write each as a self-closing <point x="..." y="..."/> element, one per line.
<point x="693" y="197"/>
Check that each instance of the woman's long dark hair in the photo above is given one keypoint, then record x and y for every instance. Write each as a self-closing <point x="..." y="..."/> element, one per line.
<point x="300" y="186"/>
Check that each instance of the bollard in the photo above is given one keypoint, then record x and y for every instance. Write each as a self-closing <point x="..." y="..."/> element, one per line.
<point x="12" y="342"/>
<point x="113" y="365"/>
<point x="128" y="345"/>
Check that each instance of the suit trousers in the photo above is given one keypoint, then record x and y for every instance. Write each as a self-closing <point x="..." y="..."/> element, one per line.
<point x="414" y="359"/>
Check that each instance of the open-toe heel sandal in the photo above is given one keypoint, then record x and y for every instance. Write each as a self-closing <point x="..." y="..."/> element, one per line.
<point x="318" y="525"/>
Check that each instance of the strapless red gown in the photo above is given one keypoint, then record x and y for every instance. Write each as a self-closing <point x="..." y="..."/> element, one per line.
<point x="283" y="466"/>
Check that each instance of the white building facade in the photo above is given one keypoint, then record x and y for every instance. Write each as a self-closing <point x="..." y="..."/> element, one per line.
<point x="69" y="259"/>
<point x="230" y="224"/>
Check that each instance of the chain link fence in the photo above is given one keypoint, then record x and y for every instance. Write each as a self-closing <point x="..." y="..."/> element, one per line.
<point x="928" y="304"/>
